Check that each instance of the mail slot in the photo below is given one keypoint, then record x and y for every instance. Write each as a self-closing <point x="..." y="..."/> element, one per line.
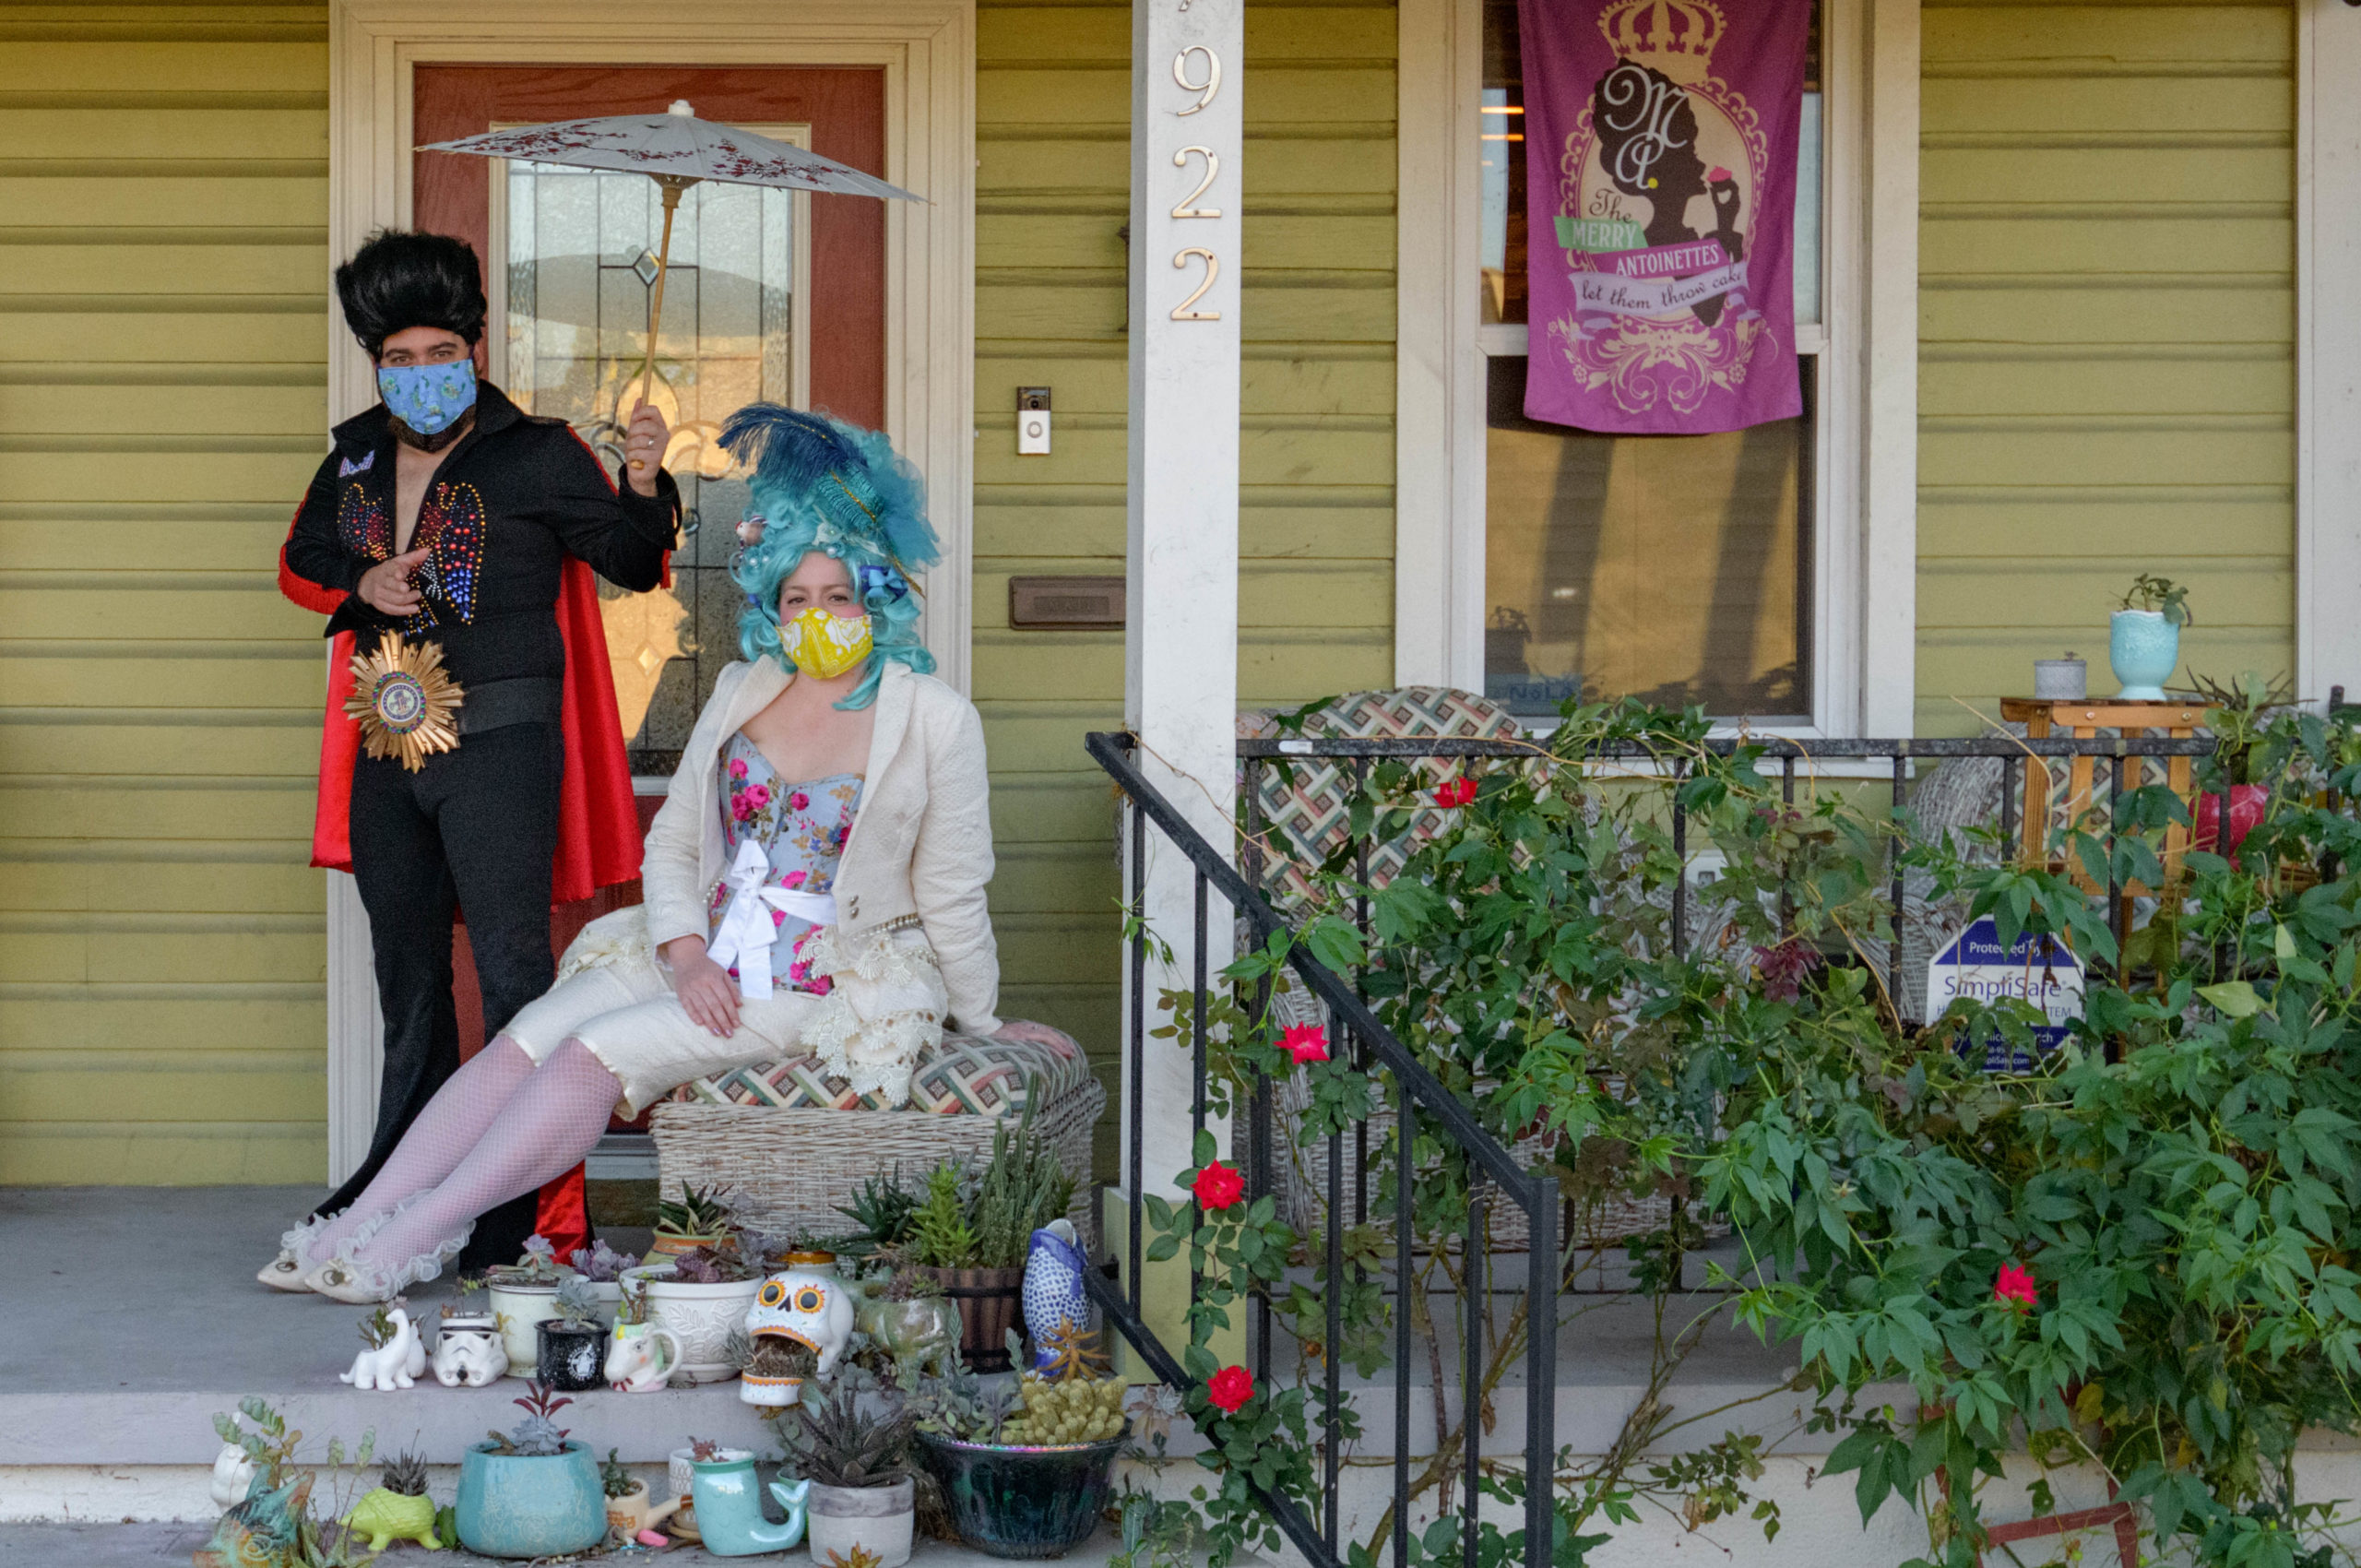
<point x="1065" y="603"/>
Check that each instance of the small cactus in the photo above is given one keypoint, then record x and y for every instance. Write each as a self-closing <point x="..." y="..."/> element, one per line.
<point x="405" y="1474"/>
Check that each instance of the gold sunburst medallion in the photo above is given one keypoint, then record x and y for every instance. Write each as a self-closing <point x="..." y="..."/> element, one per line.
<point x="406" y="705"/>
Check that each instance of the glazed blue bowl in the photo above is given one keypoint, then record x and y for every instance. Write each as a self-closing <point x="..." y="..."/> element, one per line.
<point x="530" y="1505"/>
<point x="1024" y="1503"/>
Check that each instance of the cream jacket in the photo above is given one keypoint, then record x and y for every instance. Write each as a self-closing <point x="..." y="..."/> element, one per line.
<point x="921" y="841"/>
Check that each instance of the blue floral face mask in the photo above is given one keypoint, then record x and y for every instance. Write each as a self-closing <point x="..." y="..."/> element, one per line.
<point x="430" y="399"/>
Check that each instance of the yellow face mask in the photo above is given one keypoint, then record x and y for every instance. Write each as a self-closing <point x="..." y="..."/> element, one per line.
<point x="822" y="645"/>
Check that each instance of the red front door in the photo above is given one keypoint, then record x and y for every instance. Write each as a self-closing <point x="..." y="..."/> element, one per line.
<point x="843" y="359"/>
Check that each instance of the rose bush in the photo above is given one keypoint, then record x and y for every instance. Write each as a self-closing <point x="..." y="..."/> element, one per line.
<point x="2138" y="1256"/>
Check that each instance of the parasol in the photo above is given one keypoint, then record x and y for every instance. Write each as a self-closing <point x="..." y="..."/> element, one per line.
<point x="676" y="149"/>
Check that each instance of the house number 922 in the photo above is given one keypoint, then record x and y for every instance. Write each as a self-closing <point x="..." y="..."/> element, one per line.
<point x="1207" y="83"/>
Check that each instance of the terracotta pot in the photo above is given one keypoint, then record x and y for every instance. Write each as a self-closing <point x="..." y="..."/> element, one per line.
<point x="671" y="1245"/>
<point x="988" y="1301"/>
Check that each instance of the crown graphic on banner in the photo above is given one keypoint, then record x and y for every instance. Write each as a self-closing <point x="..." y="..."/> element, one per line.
<point x="1674" y="37"/>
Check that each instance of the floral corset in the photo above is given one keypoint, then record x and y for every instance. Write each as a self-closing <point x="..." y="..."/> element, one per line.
<point x="802" y="827"/>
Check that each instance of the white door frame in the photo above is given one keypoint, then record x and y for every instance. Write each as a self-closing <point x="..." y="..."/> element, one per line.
<point x="2327" y="348"/>
<point x="927" y="48"/>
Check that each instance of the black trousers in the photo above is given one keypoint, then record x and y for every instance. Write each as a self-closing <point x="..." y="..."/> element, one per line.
<point x="475" y="829"/>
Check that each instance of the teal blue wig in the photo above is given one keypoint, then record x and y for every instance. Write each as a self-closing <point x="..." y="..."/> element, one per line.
<point x="819" y="484"/>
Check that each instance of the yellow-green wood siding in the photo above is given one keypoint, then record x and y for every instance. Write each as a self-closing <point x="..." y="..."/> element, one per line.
<point x="1316" y="524"/>
<point x="162" y="398"/>
<point x="2105" y="336"/>
<point x="163" y="274"/>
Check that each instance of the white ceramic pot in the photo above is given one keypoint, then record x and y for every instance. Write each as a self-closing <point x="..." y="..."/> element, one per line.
<point x="679" y="1467"/>
<point x="701" y="1317"/>
<point x="520" y="1307"/>
<point x="874" y="1518"/>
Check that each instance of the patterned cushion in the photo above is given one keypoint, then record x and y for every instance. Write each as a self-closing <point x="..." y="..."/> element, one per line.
<point x="962" y="1076"/>
<point x="1307" y="815"/>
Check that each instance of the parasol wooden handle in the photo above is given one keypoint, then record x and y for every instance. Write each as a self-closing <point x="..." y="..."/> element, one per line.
<point x="673" y="184"/>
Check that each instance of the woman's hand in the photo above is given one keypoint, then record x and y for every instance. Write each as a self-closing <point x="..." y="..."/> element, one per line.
<point x="386" y="586"/>
<point x="705" y="988"/>
<point x="644" y="446"/>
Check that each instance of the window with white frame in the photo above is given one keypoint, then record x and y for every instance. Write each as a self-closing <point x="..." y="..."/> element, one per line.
<point x="1679" y="569"/>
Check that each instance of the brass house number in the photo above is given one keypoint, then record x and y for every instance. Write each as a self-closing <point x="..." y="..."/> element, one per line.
<point x="1206" y="86"/>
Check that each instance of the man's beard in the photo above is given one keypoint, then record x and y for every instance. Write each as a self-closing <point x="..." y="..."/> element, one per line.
<point x="437" y="442"/>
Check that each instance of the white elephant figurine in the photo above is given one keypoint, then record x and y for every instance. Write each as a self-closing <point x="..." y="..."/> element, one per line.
<point x="641" y="1356"/>
<point x="233" y="1475"/>
<point x="394" y="1364"/>
<point x="470" y="1352"/>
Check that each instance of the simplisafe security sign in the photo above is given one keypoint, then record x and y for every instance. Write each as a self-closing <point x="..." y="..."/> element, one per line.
<point x="2039" y="970"/>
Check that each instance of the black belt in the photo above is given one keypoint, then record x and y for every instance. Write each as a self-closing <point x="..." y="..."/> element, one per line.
<point x="520" y="699"/>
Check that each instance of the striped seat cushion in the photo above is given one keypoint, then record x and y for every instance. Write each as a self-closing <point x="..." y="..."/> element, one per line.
<point x="962" y="1076"/>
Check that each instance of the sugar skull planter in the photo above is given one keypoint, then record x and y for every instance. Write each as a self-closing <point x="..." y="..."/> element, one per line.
<point x="798" y="1326"/>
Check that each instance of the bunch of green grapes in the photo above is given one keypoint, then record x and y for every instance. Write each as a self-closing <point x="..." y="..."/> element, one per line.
<point x="1077" y="1411"/>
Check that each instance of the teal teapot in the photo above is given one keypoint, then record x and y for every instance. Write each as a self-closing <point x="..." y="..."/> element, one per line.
<point x="730" y="1509"/>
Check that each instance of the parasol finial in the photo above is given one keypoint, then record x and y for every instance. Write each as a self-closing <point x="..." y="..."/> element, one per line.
<point x="680" y="106"/>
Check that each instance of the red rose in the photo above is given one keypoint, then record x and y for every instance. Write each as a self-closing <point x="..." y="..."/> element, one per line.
<point x="1218" y="1186"/>
<point x="2015" y="1287"/>
<point x="1231" y="1387"/>
<point x="1456" y="792"/>
<point x="1305" y="1042"/>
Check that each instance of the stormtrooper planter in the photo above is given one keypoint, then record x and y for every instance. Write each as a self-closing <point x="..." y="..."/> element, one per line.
<point x="470" y="1352"/>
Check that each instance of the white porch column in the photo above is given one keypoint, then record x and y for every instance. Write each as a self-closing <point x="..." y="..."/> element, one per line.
<point x="1181" y="635"/>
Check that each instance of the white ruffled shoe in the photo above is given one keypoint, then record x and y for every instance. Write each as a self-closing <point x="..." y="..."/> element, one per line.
<point x="285" y="1271"/>
<point x="345" y="1277"/>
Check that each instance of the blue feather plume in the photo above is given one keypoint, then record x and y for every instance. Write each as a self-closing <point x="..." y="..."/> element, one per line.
<point x="850" y="476"/>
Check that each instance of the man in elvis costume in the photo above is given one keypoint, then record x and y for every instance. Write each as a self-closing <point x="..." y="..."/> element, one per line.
<point x="447" y="515"/>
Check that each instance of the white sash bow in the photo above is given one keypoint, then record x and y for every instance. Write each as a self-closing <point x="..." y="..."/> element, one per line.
<point x="748" y="933"/>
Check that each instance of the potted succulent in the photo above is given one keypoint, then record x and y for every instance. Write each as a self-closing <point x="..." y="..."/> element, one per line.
<point x="681" y="1473"/>
<point x="571" y="1351"/>
<point x="471" y="1348"/>
<point x="641" y="1356"/>
<point x="523" y="1293"/>
<point x="858" y="1461"/>
<point x="531" y="1493"/>
<point x="971" y="1236"/>
<point x="2144" y="637"/>
<point x="882" y="1211"/>
<point x="398" y="1508"/>
<point x="632" y="1515"/>
<point x="603" y="1268"/>
<point x="913" y="1323"/>
<point x="1031" y="1482"/>
<point x="771" y="1370"/>
<point x="2240" y="711"/>
<point x="700" y="1296"/>
<point x="699" y="1217"/>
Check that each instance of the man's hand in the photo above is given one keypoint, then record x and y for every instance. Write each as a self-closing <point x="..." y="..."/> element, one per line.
<point x="644" y="446"/>
<point x="386" y="585"/>
<point x="707" y="992"/>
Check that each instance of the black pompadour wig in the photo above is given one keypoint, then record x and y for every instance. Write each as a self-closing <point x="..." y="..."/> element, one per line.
<point x="399" y="280"/>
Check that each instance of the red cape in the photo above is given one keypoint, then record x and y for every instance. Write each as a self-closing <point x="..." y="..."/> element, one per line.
<point x="597" y="825"/>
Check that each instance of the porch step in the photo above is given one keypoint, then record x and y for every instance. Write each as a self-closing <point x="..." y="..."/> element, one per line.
<point x="150" y="1546"/>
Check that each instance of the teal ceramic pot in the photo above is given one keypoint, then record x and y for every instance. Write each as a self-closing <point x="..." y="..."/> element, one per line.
<point x="1024" y="1503"/>
<point x="530" y="1505"/>
<point x="2143" y="649"/>
<point x="728" y="1504"/>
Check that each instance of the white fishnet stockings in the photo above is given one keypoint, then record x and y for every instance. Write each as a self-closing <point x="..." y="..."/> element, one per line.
<point x="451" y="1124"/>
<point x="546" y="1127"/>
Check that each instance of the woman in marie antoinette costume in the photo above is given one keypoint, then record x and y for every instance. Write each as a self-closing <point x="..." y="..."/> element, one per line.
<point x="814" y="881"/>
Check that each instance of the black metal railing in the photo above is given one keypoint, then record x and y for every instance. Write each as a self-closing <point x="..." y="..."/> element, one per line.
<point x="1424" y="1108"/>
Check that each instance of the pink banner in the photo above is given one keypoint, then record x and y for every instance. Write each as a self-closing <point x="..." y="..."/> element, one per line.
<point x="1660" y="163"/>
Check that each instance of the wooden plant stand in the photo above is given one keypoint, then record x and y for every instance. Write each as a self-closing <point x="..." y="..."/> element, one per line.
<point x="2043" y="718"/>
